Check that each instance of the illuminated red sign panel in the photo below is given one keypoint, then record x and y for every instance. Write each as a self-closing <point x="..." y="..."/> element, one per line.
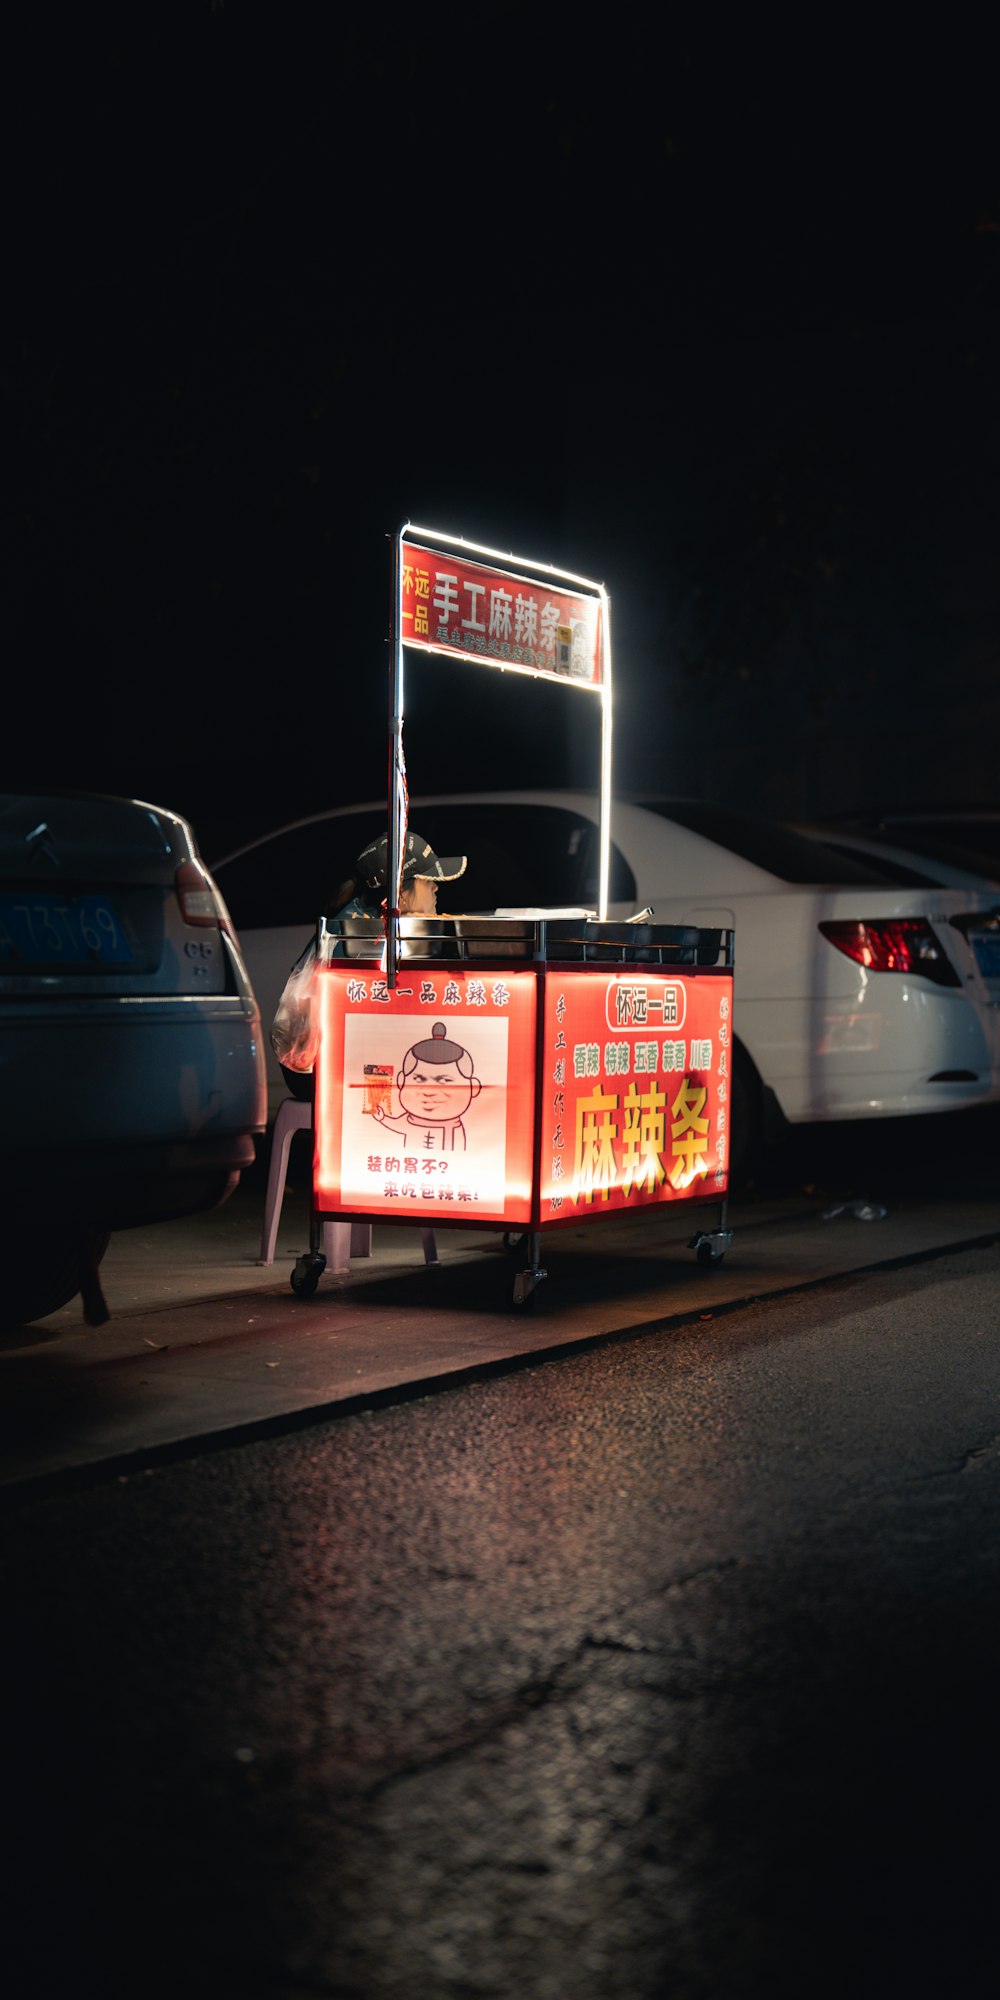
<point x="425" y="1098"/>
<point x="485" y="613"/>
<point x="636" y="1078"/>
<point x="425" y="1094"/>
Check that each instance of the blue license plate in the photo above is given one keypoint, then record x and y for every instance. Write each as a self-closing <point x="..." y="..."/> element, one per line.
<point x="987" y="950"/>
<point x="68" y="931"/>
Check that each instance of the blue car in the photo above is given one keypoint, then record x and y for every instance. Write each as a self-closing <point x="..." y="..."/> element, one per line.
<point x="131" y="1054"/>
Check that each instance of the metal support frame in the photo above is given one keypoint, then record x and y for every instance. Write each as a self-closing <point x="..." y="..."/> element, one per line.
<point x="530" y="571"/>
<point x="710" y="1245"/>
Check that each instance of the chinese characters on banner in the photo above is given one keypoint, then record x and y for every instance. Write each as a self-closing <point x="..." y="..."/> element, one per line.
<point x="483" y="613"/>
<point x="425" y="1095"/>
<point x="635" y="1090"/>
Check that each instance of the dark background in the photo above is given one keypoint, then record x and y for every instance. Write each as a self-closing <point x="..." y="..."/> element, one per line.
<point x="708" y="312"/>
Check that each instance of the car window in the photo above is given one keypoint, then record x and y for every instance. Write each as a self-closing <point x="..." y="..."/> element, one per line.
<point x="980" y="836"/>
<point x="890" y="869"/>
<point x="290" y="878"/>
<point x="621" y="881"/>
<point x="792" y="857"/>
<point x="520" y="856"/>
<point x="975" y="848"/>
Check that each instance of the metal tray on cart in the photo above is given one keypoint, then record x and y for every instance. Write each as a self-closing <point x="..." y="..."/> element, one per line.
<point x="569" y="939"/>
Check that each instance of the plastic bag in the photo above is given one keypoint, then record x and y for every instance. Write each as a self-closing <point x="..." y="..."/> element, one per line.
<point x="295" y="1028"/>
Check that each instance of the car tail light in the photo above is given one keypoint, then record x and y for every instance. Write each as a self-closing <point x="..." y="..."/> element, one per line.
<point x="897" y="944"/>
<point x="199" y="898"/>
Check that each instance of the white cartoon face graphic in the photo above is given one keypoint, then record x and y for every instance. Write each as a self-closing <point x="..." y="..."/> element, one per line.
<point x="436" y="1083"/>
<point x="417" y="1123"/>
<point x="432" y="1093"/>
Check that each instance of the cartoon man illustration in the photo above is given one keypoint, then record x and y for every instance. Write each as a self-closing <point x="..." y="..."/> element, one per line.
<point x="436" y="1085"/>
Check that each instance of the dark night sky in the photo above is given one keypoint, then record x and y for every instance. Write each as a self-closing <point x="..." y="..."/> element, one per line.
<point x="713" y="318"/>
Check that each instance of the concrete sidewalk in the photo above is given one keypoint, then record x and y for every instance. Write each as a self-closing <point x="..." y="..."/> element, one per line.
<point x="204" y="1344"/>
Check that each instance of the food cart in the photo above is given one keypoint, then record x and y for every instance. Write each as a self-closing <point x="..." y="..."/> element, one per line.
<point x="524" y="1070"/>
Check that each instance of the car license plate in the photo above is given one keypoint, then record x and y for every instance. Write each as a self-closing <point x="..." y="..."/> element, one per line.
<point x="987" y="949"/>
<point x="61" y="931"/>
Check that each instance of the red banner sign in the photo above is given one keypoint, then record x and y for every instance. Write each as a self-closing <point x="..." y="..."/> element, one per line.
<point x="481" y="612"/>
<point x="425" y="1095"/>
<point x="636" y="1078"/>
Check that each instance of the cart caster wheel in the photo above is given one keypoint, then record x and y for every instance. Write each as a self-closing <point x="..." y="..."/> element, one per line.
<point x="307" y="1274"/>
<point x="512" y="1241"/>
<point x="706" y="1255"/>
<point x="526" y="1285"/>
<point x="710" y="1246"/>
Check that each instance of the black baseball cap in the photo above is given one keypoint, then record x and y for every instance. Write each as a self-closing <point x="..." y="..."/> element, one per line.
<point x="419" y="859"/>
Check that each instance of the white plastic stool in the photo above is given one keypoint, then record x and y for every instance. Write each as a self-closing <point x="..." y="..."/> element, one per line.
<point x="341" y="1240"/>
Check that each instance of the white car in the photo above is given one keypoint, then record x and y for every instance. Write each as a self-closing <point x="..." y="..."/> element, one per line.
<point x="902" y="864"/>
<point x="130" y="1040"/>
<point x="922" y="850"/>
<point x="856" y="996"/>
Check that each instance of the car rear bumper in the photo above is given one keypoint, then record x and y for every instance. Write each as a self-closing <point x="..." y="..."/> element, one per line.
<point x="890" y="1097"/>
<point x="137" y="1184"/>
<point x="128" y="1109"/>
<point x="905" y="1049"/>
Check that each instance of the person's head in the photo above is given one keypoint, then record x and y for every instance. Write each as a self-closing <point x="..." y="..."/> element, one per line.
<point x="422" y="871"/>
<point x="418" y="898"/>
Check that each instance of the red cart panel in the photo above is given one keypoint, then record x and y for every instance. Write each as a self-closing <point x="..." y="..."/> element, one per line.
<point x="425" y="1094"/>
<point x="634" y="1097"/>
<point x="439" y="1101"/>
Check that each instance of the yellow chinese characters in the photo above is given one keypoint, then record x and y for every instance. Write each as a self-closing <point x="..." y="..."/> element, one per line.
<point x="689" y="1134"/>
<point x="643" y="1139"/>
<point x="596" y="1130"/>
<point x="622" y="1143"/>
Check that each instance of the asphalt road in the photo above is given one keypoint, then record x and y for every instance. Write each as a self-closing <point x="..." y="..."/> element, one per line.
<point x="667" y="1668"/>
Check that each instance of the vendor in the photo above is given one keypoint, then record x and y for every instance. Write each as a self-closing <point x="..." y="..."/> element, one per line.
<point x="362" y="895"/>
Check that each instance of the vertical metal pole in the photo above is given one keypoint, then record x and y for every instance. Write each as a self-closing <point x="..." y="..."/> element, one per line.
<point x="395" y="747"/>
<point x="605" y="858"/>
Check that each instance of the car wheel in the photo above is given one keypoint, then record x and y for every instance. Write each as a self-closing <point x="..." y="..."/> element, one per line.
<point x="746" y="1119"/>
<point x="43" y="1269"/>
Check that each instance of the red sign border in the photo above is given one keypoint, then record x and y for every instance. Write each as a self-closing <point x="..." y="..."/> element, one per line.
<point x="527" y="1059"/>
<point x="697" y="1193"/>
<point x="522" y="1057"/>
<point x="563" y="586"/>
